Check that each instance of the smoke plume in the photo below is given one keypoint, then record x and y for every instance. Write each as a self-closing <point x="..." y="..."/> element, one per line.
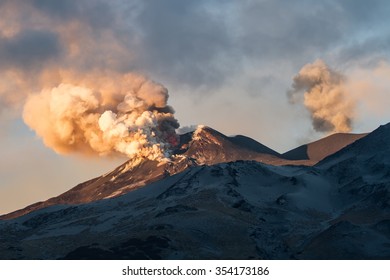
<point x="104" y="115"/>
<point x="50" y="54"/>
<point x="325" y="96"/>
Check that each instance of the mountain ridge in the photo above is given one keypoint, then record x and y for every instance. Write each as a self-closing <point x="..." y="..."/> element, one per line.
<point x="202" y="146"/>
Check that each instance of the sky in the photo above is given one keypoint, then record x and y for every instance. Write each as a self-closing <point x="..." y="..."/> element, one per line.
<point x="282" y="72"/>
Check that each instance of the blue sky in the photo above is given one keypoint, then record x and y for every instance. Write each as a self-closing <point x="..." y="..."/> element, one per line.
<point x="226" y="64"/>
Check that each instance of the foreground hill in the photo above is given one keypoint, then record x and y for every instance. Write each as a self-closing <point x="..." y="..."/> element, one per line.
<point x="337" y="209"/>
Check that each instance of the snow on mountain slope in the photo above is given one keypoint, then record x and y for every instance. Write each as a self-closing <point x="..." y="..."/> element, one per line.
<point x="222" y="211"/>
<point x="238" y="210"/>
<point x="338" y="209"/>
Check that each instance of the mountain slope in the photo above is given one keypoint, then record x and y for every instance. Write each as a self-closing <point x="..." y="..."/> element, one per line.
<point x="318" y="150"/>
<point x="204" y="146"/>
<point x="337" y="209"/>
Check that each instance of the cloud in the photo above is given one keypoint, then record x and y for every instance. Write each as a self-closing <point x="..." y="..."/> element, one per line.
<point x="184" y="41"/>
<point x="36" y="44"/>
<point x="29" y="49"/>
<point x="370" y="87"/>
<point x="286" y="29"/>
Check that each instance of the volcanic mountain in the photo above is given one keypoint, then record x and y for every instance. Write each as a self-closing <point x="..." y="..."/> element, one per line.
<point x="219" y="197"/>
<point x="204" y="146"/>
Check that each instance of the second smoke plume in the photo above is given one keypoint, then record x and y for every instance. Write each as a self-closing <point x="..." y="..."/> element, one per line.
<point x="324" y="95"/>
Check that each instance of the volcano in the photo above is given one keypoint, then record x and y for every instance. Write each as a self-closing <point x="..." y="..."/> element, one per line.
<point x="204" y="146"/>
<point x="325" y="200"/>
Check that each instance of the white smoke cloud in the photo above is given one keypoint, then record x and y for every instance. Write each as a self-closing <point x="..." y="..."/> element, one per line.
<point x="129" y="115"/>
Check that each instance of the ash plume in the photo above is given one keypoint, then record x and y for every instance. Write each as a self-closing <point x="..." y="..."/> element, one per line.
<point x="323" y="93"/>
<point x="125" y="114"/>
<point x="71" y="73"/>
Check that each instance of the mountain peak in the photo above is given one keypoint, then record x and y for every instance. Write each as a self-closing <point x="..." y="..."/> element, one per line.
<point x="208" y="146"/>
<point x="206" y="133"/>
